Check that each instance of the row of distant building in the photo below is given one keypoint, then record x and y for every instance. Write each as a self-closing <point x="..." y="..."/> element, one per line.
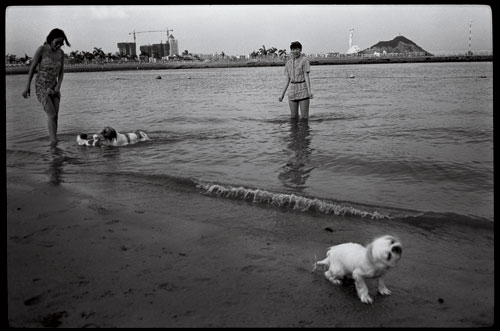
<point x="157" y="51"/>
<point x="166" y="51"/>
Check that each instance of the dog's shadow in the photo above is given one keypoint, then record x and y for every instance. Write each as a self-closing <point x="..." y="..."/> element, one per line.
<point x="348" y="282"/>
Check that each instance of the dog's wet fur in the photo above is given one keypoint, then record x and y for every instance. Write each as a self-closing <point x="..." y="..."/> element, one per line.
<point x="354" y="261"/>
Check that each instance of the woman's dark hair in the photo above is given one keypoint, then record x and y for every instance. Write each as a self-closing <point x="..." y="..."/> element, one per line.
<point x="296" y="44"/>
<point x="57" y="33"/>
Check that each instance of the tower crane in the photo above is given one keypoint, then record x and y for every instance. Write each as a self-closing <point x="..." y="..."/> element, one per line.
<point x="137" y="32"/>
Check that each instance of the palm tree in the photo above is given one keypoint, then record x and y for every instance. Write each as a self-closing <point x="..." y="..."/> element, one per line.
<point x="98" y="53"/>
<point x="11" y="58"/>
<point x="88" y="57"/>
<point x="272" y="51"/>
<point x="263" y="51"/>
<point x="25" y="59"/>
<point x="76" y="57"/>
<point x="117" y="56"/>
<point x="282" y="53"/>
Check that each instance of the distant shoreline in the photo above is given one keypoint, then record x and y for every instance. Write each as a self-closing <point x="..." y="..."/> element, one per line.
<point x="21" y="70"/>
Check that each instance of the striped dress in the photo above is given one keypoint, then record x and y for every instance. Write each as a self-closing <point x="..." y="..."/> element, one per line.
<point x="48" y="72"/>
<point x="296" y="68"/>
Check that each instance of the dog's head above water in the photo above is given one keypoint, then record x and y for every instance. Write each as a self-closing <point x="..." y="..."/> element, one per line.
<point x="109" y="133"/>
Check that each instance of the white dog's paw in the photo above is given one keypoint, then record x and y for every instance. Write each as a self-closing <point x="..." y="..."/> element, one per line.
<point x="335" y="281"/>
<point x="366" y="299"/>
<point x="332" y="278"/>
<point x="384" y="291"/>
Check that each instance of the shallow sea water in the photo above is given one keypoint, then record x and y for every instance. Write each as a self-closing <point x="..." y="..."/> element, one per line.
<point x="395" y="141"/>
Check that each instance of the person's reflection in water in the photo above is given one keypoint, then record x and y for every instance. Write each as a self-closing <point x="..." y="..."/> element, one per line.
<point x="56" y="164"/>
<point x="295" y="173"/>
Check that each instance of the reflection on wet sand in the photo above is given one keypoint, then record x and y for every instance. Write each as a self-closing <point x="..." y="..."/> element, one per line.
<point x="295" y="172"/>
<point x="56" y="165"/>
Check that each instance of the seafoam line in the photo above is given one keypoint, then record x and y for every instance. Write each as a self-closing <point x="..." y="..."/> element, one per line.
<point x="293" y="201"/>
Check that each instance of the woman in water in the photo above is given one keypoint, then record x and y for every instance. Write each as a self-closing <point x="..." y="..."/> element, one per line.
<point x="297" y="74"/>
<point x="50" y="61"/>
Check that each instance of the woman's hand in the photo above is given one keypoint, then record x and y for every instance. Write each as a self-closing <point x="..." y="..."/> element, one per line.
<point x="280" y="98"/>
<point x="26" y="93"/>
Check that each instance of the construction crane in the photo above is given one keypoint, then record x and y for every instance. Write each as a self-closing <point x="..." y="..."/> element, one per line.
<point x="137" y="32"/>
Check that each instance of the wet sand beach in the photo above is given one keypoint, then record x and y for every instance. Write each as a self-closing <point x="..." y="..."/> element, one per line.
<point x="104" y="252"/>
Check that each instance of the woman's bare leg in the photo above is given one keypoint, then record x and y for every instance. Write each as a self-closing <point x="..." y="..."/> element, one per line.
<point x="294" y="108"/>
<point x="304" y="108"/>
<point x="52" y="111"/>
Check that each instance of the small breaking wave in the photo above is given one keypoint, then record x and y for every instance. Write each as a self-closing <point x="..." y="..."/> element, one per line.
<point x="292" y="201"/>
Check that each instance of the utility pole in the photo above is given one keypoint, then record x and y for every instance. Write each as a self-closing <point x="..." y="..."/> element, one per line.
<point x="470" y="38"/>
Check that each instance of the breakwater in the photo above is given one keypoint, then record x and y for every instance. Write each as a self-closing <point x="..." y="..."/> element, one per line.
<point x="23" y="69"/>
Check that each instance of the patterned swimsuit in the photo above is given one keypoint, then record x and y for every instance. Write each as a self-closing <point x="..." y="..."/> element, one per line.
<point x="46" y="78"/>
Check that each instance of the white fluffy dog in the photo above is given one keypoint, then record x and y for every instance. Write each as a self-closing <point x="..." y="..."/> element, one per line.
<point x="358" y="262"/>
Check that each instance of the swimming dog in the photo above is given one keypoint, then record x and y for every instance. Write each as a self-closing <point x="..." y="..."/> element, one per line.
<point x="83" y="139"/>
<point x="114" y="138"/>
<point x="110" y="137"/>
<point x="358" y="262"/>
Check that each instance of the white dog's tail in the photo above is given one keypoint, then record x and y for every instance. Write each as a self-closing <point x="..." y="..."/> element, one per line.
<point x="142" y="136"/>
<point x="323" y="263"/>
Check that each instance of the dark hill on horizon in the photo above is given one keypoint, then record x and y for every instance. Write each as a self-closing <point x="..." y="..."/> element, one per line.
<point x="399" y="44"/>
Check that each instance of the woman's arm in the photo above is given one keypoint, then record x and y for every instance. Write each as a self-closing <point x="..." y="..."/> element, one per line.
<point x="308" y="84"/>
<point x="57" y="88"/>
<point x="307" y="68"/>
<point x="287" y="82"/>
<point x="36" y="59"/>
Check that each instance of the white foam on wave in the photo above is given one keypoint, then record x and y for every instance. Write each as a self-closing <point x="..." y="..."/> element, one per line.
<point x="293" y="201"/>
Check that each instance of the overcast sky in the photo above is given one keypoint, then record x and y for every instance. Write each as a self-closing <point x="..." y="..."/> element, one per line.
<point x="241" y="29"/>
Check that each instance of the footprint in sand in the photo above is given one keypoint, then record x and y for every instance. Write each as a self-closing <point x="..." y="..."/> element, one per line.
<point x="47" y="244"/>
<point x="100" y="209"/>
<point x="251" y="269"/>
<point x="112" y="221"/>
<point x="34" y="300"/>
<point x="53" y="320"/>
<point x="28" y="237"/>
